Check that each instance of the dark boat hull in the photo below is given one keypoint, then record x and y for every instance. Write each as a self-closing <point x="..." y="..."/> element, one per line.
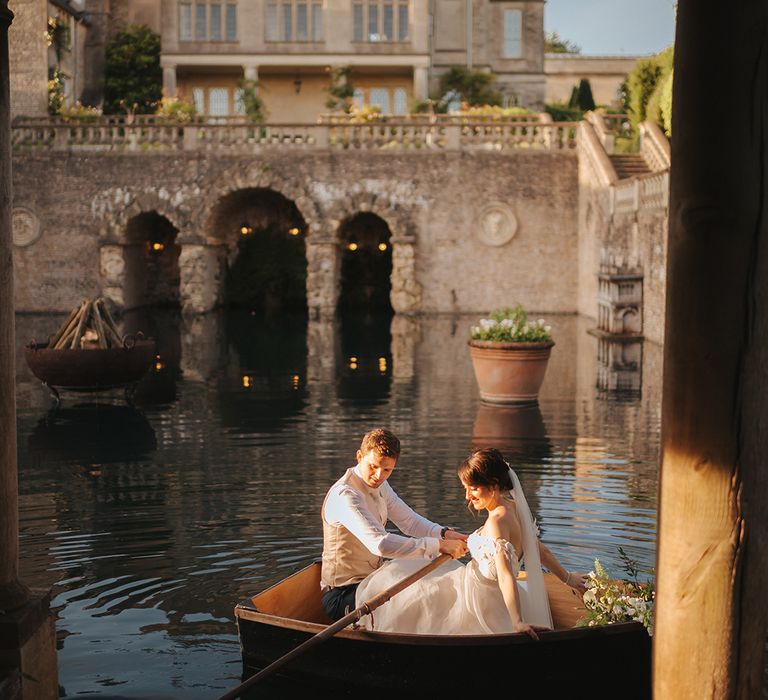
<point x="612" y="660"/>
<point x="90" y="370"/>
<point x="616" y="658"/>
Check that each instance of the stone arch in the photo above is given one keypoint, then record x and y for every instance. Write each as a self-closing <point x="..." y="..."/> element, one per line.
<point x="405" y="294"/>
<point x="365" y="270"/>
<point x="631" y="320"/>
<point x="151" y="256"/>
<point x="262" y="234"/>
<point x="113" y="208"/>
<point x="260" y="177"/>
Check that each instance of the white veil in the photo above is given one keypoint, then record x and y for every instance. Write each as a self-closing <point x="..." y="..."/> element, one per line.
<point x="536" y="603"/>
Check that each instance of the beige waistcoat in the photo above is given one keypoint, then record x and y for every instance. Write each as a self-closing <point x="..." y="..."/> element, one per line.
<point x="345" y="559"/>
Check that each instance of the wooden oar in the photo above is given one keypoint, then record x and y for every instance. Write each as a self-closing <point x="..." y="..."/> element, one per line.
<point x="365" y="609"/>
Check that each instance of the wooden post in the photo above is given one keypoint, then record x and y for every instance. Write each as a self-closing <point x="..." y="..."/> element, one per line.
<point x="712" y="568"/>
<point x="13" y="593"/>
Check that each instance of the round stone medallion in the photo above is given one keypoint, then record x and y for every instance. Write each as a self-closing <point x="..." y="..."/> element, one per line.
<point x="25" y="227"/>
<point x="498" y="224"/>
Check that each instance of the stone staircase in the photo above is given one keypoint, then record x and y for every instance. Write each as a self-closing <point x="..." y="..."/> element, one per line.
<point x="629" y="165"/>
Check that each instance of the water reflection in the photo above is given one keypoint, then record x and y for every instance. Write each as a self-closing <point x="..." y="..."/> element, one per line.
<point x="518" y="432"/>
<point x="620" y="367"/>
<point x="364" y="362"/>
<point x="265" y="381"/>
<point x="159" y="385"/>
<point x="212" y="490"/>
<point x="92" y="434"/>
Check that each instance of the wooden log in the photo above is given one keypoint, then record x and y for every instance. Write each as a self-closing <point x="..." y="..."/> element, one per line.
<point x="115" y="338"/>
<point x="63" y="328"/>
<point x="99" y="326"/>
<point x="66" y="337"/>
<point x="712" y="566"/>
<point x="81" y="325"/>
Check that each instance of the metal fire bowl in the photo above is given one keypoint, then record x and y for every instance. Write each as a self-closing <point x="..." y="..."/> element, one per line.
<point x="90" y="369"/>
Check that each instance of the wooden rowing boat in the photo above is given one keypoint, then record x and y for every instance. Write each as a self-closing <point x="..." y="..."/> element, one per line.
<point x="612" y="660"/>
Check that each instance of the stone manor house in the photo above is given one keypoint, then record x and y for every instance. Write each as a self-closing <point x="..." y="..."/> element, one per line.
<point x="396" y="49"/>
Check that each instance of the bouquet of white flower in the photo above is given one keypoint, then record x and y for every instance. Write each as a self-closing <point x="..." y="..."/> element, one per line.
<point x="511" y="325"/>
<point x="614" y="600"/>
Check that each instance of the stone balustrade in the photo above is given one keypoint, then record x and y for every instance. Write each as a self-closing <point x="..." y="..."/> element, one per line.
<point x="641" y="193"/>
<point x="654" y="146"/>
<point x="149" y="134"/>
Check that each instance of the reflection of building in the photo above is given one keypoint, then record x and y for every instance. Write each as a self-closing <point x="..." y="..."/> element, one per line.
<point x="619" y="329"/>
<point x="619" y="366"/>
<point x="620" y="302"/>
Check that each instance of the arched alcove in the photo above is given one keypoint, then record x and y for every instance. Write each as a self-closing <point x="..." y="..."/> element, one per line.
<point x="264" y="234"/>
<point x="151" y="257"/>
<point x="366" y="265"/>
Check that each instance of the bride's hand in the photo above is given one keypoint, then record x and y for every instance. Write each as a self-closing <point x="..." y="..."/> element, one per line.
<point x="577" y="581"/>
<point x="456" y="548"/>
<point x="530" y="630"/>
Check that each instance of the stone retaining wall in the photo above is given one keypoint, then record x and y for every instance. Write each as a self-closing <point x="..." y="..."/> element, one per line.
<point x="469" y="230"/>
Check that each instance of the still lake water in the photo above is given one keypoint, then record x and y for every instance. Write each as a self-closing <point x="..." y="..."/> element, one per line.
<point x="151" y="521"/>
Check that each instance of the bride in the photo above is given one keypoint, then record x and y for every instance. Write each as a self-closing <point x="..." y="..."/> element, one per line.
<point x="483" y="597"/>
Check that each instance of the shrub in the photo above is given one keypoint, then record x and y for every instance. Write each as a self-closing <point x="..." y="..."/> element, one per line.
<point x="133" y="79"/>
<point x="561" y="112"/>
<point x="80" y="113"/>
<point x="471" y="86"/>
<point x="175" y="110"/>
<point x="493" y="111"/>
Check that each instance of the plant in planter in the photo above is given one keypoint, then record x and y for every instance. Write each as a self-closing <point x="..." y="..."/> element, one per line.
<point x="510" y="355"/>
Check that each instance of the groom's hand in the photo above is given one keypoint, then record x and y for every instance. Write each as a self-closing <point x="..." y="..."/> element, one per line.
<point x="456" y="548"/>
<point x="453" y="535"/>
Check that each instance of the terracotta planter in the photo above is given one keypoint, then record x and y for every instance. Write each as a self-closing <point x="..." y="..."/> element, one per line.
<point x="509" y="373"/>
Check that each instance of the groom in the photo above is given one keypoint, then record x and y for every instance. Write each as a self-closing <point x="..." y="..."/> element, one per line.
<point x="355" y="511"/>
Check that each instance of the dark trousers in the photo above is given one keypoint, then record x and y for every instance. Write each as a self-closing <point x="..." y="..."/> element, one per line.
<point x="339" y="601"/>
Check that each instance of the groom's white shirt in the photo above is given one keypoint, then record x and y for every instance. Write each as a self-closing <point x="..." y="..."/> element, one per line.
<point x="345" y="506"/>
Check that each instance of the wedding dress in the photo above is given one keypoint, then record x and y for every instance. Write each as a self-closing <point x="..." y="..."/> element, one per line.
<point x="459" y="599"/>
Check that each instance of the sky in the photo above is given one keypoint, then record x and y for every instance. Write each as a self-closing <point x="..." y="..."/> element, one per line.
<point x="613" y="26"/>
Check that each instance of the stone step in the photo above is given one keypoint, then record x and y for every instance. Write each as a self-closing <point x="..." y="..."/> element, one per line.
<point x="629" y="164"/>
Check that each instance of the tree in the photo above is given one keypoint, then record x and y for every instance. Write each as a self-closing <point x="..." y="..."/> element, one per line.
<point x="133" y="79"/>
<point x="584" y="99"/>
<point x="471" y="86"/>
<point x="553" y="43"/>
<point x="644" y="85"/>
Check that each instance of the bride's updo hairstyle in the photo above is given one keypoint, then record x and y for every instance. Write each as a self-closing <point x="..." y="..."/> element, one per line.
<point x="486" y="467"/>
